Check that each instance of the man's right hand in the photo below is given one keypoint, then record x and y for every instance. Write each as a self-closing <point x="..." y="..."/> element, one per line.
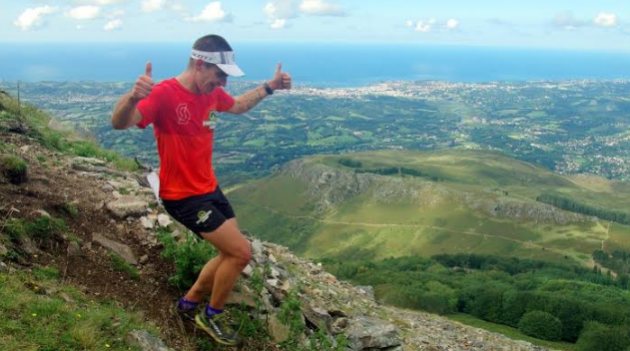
<point x="144" y="84"/>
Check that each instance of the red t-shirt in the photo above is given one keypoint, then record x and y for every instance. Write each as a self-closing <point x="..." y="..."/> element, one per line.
<point x="184" y="135"/>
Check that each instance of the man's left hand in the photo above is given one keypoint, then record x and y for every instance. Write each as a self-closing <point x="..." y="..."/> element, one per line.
<point x="281" y="80"/>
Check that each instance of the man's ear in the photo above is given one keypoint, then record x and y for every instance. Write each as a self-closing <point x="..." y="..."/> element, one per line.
<point x="198" y="64"/>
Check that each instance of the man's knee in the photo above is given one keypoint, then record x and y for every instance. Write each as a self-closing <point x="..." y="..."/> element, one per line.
<point x="244" y="254"/>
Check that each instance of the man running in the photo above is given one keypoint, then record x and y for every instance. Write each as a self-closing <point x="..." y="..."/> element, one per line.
<point x="182" y="110"/>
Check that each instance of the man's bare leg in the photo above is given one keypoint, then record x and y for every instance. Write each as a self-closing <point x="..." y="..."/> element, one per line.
<point x="205" y="281"/>
<point x="236" y="252"/>
<point x="203" y="284"/>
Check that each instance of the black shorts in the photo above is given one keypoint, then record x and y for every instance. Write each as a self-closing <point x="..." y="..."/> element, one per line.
<point x="201" y="213"/>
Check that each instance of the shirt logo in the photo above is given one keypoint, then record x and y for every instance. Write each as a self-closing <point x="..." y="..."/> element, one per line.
<point x="183" y="114"/>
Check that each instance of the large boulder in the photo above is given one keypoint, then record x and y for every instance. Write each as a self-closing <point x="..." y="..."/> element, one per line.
<point x="146" y="341"/>
<point x="367" y="333"/>
<point x="127" y="206"/>
<point x="121" y="250"/>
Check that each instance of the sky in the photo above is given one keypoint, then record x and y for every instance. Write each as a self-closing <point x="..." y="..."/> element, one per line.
<point x="602" y="25"/>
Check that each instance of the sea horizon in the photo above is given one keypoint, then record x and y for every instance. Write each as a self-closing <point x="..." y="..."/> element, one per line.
<point x="323" y="65"/>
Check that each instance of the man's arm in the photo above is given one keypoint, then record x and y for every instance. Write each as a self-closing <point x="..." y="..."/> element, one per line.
<point x="126" y="113"/>
<point x="247" y="101"/>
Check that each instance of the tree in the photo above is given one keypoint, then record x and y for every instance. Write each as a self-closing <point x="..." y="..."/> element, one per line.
<point x="541" y="325"/>
<point x="601" y="337"/>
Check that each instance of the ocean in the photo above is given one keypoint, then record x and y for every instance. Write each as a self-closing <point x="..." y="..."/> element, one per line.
<point x="312" y="64"/>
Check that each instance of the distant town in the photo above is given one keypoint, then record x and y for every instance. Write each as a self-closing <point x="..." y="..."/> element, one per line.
<point x="571" y="127"/>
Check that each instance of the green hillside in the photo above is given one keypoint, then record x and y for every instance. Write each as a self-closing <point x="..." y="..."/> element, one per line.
<point x="398" y="203"/>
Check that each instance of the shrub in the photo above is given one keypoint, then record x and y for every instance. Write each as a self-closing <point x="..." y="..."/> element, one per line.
<point x="541" y="325"/>
<point x="601" y="337"/>
<point x="14" y="169"/>
<point x="189" y="257"/>
<point x="69" y="209"/>
<point x="14" y="228"/>
<point x="45" y="228"/>
<point x="41" y="228"/>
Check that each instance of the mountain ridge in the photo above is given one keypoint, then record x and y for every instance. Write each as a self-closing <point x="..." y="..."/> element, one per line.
<point x="320" y="192"/>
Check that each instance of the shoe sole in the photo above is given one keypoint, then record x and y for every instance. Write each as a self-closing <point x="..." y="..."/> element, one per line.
<point x="182" y="316"/>
<point x="203" y="327"/>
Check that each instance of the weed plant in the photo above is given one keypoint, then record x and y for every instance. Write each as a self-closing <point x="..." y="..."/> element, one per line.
<point x="119" y="265"/>
<point x="189" y="257"/>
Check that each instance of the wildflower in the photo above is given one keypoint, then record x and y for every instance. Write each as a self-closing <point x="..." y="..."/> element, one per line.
<point x="107" y="345"/>
<point x="34" y="314"/>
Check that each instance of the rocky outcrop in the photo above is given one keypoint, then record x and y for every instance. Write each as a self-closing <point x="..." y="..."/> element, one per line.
<point x="326" y="304"/>
<point x="339" y="308"/>
<point x="328" y="187"/>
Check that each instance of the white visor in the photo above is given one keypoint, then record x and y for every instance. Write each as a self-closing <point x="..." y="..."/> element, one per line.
<point x="223" y="59"/>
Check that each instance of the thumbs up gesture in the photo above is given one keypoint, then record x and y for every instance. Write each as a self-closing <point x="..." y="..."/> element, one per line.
<point x="281" y="80"/>
<point x="144" y="84"/>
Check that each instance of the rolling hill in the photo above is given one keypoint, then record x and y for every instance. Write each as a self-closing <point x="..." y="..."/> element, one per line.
<point x="399" y="203"/>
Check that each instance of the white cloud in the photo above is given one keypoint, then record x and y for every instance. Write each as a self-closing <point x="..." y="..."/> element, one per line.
<point x="80" y="27"/>
<point x="566" y="21"/>
<point x="115" y="14"/>
<point x="279" y="24"/>
<point x="84" y="12"/>
<point x="425" y="26"/>
<point x="452" y="24"/>
<point x="100" y="2"/>
<point x="153" y="5"/>
<point x="113" y="25"/>
<point x="33" y="17"/>
<point x="280" y="9"/>
<point x="606" y="20"/>
<point x="321" y="8"/>
<point x="212" y="13"/>
<point x="410" y="23"/>
<point x="177" y="7"/>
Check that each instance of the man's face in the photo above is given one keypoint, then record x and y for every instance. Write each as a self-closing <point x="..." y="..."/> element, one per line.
<point x="208" y="79"/>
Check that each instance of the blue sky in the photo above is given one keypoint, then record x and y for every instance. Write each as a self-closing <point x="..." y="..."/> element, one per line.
<point x="602" y="25"/>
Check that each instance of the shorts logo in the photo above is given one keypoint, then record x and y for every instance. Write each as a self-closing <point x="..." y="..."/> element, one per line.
<point x="183" y="115"/>
<point x="211" y="123"/>
<point x="203" y="216"/>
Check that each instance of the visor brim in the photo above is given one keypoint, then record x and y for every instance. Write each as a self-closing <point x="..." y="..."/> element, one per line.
<point x="231" y="70"/>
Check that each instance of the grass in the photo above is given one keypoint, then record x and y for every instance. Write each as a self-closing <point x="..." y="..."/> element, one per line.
<point x="14" y="169"/>
<point x="119" y="265"/>
<point x="13" y="164"/>
<point x="510" y="332"/>
<point x="43" y="228"/>
<point x="37" y="122"/>
<point x="35" y="317"/>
